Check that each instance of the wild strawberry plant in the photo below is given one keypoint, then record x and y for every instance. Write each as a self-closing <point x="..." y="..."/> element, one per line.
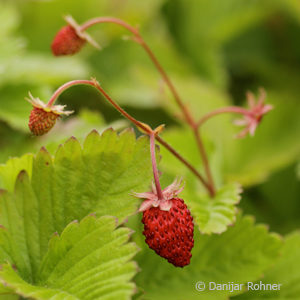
<point x="64" y="231"/>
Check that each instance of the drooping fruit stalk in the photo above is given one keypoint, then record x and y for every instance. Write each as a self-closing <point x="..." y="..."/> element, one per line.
<point x="58" y="109"/>
<point x="168" y="224"/>
<point x="81" y="31"/>
<point x="154" y="166"/>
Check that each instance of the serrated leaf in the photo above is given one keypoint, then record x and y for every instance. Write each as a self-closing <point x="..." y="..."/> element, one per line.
<point x="214" y="215"/>
<point x="77" y="125"/>
<point x="99" y="178"/>
<point x="90" y="260"/>
<point x="15" y="143"/>
<point x="285" y="272"/>
<point x="10" y="170"/>
<point x="239" y="255"/>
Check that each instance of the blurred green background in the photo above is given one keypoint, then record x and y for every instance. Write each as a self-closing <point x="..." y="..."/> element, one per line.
<point x="213" y="50"/>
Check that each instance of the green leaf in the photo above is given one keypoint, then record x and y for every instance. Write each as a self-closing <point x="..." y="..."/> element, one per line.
<point x="213" y="215"/>
<point x="77" y="125"/>
<point x="15" y="143"/>
<point x="10" y="170"/>
<point x="90" y="260"/>
<point x="285" y="272"/>
<point x="239" y="255"/>
<point x="99" y="178"/>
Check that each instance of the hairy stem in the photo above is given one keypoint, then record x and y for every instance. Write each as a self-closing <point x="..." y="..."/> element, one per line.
<point x="188" y="117"/>
<point x="139" y="124"/>
<point x="140" y="40"/>
<point x="229" y="109"/>
<point x="154" y="166"/>
<point x="64" y="87"/>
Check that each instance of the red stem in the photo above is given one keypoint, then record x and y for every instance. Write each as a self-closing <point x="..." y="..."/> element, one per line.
<point x="188" y="117"/>
<point x="154" y="166"/>
<point x="64" y="87"/>
<point x="229" y="109"/>
<point x="95" y="84"/>
<point x="186" y="163"/>
<point x="140" y="40"/>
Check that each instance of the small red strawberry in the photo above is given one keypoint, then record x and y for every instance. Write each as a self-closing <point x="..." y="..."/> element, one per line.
<point x="168" y="225"/>
<point x="43" y="117"/>
<point x="67" y="42"/>
<point x="70" y="39"/>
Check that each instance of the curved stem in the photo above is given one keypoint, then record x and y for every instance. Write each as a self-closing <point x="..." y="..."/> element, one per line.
<point x="95" y="84"/>
<point x="64" y="87"/>
<point x="139" y="39"/>
<point x="139" y="124"/>
<point x="117" y="21"/>
<point x="154" y="166"/>
<point x="229" y="109"/>
<point x="187" y="115"/>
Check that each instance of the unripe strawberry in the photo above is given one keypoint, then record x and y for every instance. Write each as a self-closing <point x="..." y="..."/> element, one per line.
<point x="40" y="121"/>
<point x="43" y="117"/>
<point x="170" y="233"/>
<point x="67" y="42"/>
<point x="168" y="225"/>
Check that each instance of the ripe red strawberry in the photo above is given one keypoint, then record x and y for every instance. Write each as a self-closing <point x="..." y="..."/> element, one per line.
<point x="70" y="39"/>
<point x="170" y="233"/>
<point x="67" y="42"/>
<point x="41" y="121"/>
<point x="168" y="225"/>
